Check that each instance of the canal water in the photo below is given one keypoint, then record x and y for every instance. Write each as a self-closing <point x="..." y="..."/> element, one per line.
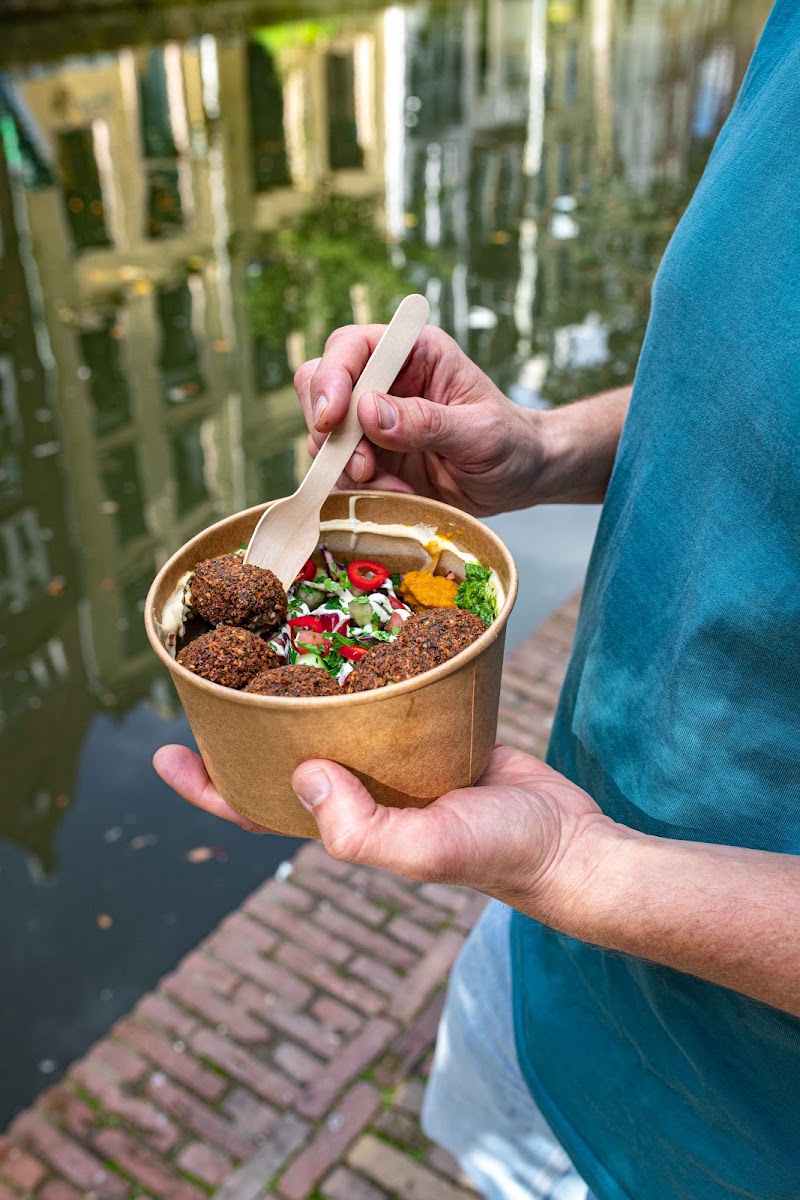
<point x="181" y="224"/>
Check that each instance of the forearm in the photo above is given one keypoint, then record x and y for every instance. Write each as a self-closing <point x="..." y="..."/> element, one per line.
<point x="725" y="914"/>
<point x="580" y="443"/>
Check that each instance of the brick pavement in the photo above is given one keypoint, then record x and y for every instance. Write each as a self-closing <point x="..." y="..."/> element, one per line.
<point x="286" y="1056"/>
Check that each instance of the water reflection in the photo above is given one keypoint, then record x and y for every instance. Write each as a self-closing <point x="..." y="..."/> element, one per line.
<point x="182" y="224"/>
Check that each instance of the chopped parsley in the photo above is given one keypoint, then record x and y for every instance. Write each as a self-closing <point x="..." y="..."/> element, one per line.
<point x="475" y="594"/>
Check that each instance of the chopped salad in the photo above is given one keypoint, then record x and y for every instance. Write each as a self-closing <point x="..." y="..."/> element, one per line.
<point x="338" y="613"/>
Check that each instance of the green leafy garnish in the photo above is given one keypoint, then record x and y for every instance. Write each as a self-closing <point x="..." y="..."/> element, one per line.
<point x="475" y="594"/>
<point x="396" y="580"/>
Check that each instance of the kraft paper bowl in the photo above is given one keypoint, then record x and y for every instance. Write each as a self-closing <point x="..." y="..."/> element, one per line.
<point x="409" y="742"/>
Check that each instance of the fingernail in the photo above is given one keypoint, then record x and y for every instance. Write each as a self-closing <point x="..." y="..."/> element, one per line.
<point x="320" y="404"/>
<point x="311" y="787"/>
<point x="387" y="413"/>
<point x="358" y="465"/>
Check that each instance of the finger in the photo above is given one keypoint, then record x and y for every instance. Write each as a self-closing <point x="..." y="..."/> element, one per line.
<point x="408" y="423"/>
<point x="355" y="828"/>
<point x="360" y="467"/>
<point x="184" y="772"/>
<point x="331" y="386"/>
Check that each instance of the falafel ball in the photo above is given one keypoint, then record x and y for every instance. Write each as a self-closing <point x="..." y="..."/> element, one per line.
<point x="441" y="632"/>
<point x="389" y="662"/>
<point x="229" y="656"/>
<point x="227" y="591"/>
<point x="295" y="680"/>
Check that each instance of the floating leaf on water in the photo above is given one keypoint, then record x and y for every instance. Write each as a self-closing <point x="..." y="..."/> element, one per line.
<point x="104" y="921"/>
<point x="199" y="854"/>
<point x="56" y="586"/>
<point x="143" y="840"/>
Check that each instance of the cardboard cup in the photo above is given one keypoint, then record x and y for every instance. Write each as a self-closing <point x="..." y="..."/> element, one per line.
<point x="409" y="743"/>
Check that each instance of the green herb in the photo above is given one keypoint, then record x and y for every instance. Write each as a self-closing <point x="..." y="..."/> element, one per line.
<point x="292" y="656"/>
<point x="334" y="602"/>
<point x="475" y="594"/>
<point x="396" y="580"/>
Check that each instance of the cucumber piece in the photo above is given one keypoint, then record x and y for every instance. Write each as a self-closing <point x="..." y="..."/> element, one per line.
<point x="360" y="612"/>
<point x="311" y="596"/>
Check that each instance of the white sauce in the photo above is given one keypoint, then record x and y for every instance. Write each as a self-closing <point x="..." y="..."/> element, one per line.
<point x="175" y="613"/>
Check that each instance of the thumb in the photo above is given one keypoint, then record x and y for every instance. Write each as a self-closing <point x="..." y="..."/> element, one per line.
<point x="355" y="828"/>
<point x="411" y="423"/>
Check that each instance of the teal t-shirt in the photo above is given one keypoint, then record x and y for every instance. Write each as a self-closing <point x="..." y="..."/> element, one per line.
<point x="680" y="713"/>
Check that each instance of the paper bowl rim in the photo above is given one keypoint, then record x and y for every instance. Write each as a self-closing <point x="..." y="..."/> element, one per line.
<point x="372" y="695"/>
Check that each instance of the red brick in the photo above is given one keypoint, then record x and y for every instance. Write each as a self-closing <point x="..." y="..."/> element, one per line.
<point x="144" y="1167"/>
<point x="368" y="940"/>
<point x="314" y="856"/>
<point x="427" y="915"/>
<point x="158" y="1010"/>
<point x="409" y="1096"/>
<point x="399" y="1173"/>
<point x="179" y="1065"/>
<point x="7" y="1194"/>
<point x="159" y="1131"/>
<point x="345" y="896"/>
<point x="354" y="1058"/>
<point x="68" y="1110"/>
<point x="56" y="1189"/>
<point x="355" y="1110"/>
<point x="196" y="1117"/>
<point x="336" y="1015"/>
<point x="19" y="1167"/>
<point x="325" y="978"/>
<point x="407" y="1049"/>
<point x="406" y="931"/>
<point x="237" y="1063"/>
<point x="315" y="1037"/>
<point x="298" y="929"/>
<point x="266" y="972"/>
<point x="210" y="972"/>
<point x="205" y="1163"/>
<point x="248" y="1183"/>
<point x="296" y="1063"/>
<point x="252" y="933"/>
<point x="215" y="1009"/>
<point x="285" y="893"/>
<point x="426" y="975"/>
<point x="126" y="1066"/>
<point x="344" y="1184"/>
<point x="251" y="1115"/>
<point x="373" y="971"/>
<point x="68" y="1159"/>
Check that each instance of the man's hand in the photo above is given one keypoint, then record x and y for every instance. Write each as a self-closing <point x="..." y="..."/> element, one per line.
<point x="515" y="835"/>
<point x="447" y="432"/>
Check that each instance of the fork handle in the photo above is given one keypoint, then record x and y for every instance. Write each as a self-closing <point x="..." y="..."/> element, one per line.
<point x="383" y="367"/>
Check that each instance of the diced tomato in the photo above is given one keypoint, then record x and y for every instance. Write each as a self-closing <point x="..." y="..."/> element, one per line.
<point x="312" y="623"/>
<point x="352" y="653"/>
<point x="311" y="640"/>
<point x="366" y="575"/>
<point x="395" y="622"/>
<point x="395" y="603"/>
<point x="308" y="573"/>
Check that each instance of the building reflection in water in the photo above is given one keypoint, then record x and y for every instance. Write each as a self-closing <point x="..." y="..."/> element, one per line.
<point x="183" y="224"/>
